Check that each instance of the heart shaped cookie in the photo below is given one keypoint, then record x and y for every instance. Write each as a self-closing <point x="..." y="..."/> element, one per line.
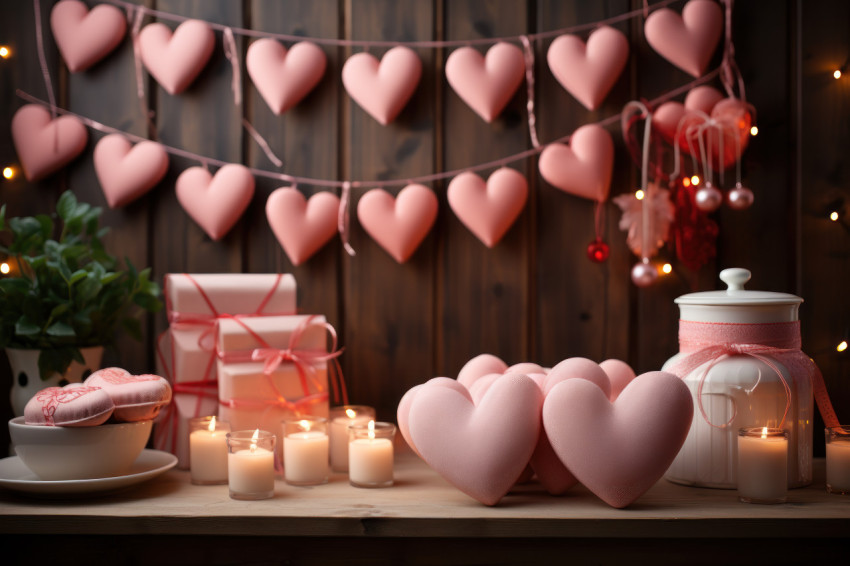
<point x="302" y="226"/>
<point x="382" y="88"/>
<point x="486" y="83"/>
<point x="687" y="41"/>
<point x="45" y="144"/>
<point x="136" y="397"/>
<point x="176" y="59"/>
<point x="73" y="405"/>
<point x="85" y="37"/>
<point x="488" y="209"/>
<point x="398" y="224"/>
<point x="127" y="171"/>
<point x="618" y="451"/>
<point x="284" y="77"/>
<point x="584" y="167"/>
<point x="215" y="203"/>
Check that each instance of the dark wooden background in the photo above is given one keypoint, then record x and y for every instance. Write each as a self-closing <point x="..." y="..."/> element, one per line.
<point x="536" y="296"/>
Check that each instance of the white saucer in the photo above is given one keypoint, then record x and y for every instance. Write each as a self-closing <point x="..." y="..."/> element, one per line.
<point x="16" y="476"/>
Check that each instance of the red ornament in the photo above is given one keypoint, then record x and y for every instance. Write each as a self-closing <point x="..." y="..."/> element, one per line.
<point x="598" y="251"/>
<point x="693" y="232"/>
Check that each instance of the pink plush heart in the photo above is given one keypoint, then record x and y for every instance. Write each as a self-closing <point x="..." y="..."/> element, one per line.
<point x="284" y="77"/>
<point x="482" y="449"/>
<point x="44" y="144"/>
<point x="403" y="412"/>
<point x="581" y="368"/>
<point x="302" y="226"/>
<point x="727" y="143"/>
<point x="620" y="374"/>
<point x="479" y="366"/>
<point x="588" y="72"/>
<point x="176" y="59"/>
<point x="488" y="209"/>
<point x="127" y="172"/>
<point x="584" y="167"/>
<point x="215" y="203"/>
<point x="85" y="37"/>
<point x="687" y="41"/>
<point x="483" y="384"/>
<point x="619" y="450"/>
<point x="488" y="83"/>
<point x="398" y="224"/>
<point x="526" y="368"/>
<point x="667" y="118"/>
<point x="382" y="89"/>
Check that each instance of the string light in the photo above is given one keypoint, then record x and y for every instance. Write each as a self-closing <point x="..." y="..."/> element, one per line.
<point x="837" y="74"/>
<point x="4" y="268"/>
<point x="841" y="346"/>
<point x="686" y="182"/>
<point x="9" y="173"/>
<point x="666" y="269"/>
<point x="834" y="216"/>
<point x="639" y="194"/>
<point x="754" y="131"/>
<point x="5" y="52"/>
<point x="695" y="180"/>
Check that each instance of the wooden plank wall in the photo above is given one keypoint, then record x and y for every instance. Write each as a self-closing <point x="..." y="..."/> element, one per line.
<point x="533" y="297"/>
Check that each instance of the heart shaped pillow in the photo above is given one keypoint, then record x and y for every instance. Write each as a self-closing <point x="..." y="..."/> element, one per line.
<point x="488" y="209"/>
<point x="584" y="167"/>
<point x="284" y="77"/>
<point x="486" y="83"/>
<point x="215" y="203"/>
<point x="302" y="226"/>
<point x="667" y="118"/>
<point x="175" y="59"/>
<point x="403" y="411"/>
<point x="588" y="72"/>
<point x="398" y="224"/>
<point x="687" y="41"/>
<point x="85" y="37"/>
<point x="479" y="366"/>
<point x="620" y="374"/>
<point x="45" y="144"/>
<point x="73" y="405"/>
<point x="618" y="451"/>
<point x="382" y="88"/>
<point x="136" y="397"/>
<point x="126" y="172"/>
<point x="482" y="449"/>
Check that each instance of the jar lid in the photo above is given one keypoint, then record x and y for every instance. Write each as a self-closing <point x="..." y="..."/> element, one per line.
<point x="735" y="294"/>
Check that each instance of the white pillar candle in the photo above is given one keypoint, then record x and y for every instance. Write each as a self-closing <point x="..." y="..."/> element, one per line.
<point x="838" y="460"/>
<point x="370" y="455"/>
<point x="208" y="451"/>
<point x="250" y="465"/>
<point x="762" y="465"/>
<point x="340" y="418"/>
<point x="305" y="456"/>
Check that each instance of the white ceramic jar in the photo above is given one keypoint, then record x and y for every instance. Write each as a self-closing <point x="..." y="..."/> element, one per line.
<point x="741" y="390"/>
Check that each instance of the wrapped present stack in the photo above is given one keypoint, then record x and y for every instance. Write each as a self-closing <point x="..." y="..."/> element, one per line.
<point x="235" y="348"/>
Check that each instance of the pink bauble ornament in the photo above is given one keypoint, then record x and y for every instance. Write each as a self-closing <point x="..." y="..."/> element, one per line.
<point x="740" y="198"/>
<point x="709" y="198"/>
<point x="644" y="274"/>
<point x="598" y="251"/>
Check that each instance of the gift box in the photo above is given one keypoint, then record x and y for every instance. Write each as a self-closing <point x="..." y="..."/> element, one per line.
<point x="271" y="369"/>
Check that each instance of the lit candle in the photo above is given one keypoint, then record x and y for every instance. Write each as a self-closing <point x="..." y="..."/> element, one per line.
<point x="305" y="452"/>
<point x="208" y="450"/>
<point x="838" y="460"/>
<point x="370" y="454"/>
<point x="250" y="464"/>
<point x="340" y="418"/>
<point x="762" y="465"/>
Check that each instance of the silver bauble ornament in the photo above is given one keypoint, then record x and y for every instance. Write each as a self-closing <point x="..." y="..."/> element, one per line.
<point x="644" y="274"/>
<point x="709" y="198"/>
<point x="740" y="198"/>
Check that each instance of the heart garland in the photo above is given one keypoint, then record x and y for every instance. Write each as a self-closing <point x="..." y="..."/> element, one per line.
<point x="176" y="58"/>
<point x="488" y="209"/>
<point x="85" y="37"/>
<point x="45" y="144"/>
<point x="687" y="41"/>
<point x="584" y="167"/>
<point x="302" y="226"/>
<point x="215" y="203"/>
<point x="486" y="83"/>
<point x="382" y="88"/>
<point x="284" y="77"/>
<point x="127" y="172"/>
<point x="398" y="224"/>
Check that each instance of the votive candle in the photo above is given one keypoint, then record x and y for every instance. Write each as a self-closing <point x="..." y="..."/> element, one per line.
<point x="305" y="451"/>
<point x="838" y="460"/>
<point x="340" y="418"/>
<point x="762" y="465"/>
<point x="250" y="464"/>
<point x="370" y="454"/>
<point x="208" y="450"/>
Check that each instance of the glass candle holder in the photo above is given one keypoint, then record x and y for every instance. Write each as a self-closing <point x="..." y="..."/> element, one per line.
<point x="370" y="454"/>
<point x="208" y="450"/>
<point x="305" y="451"/>
<point x="250" y="464"/>
<point x="838" y="460"/>
<point x="340" y="418"/>
<point x="762" y="465"/>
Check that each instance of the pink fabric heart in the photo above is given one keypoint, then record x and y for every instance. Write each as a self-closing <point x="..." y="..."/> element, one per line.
<point x="584" y="167"/>
<point x="398" y="224"/>
<point x="284" y="77"/>
<point x="482" y="449"/>
<point x="302" y="226"/>
<point x="45" y="145"/>
<point x="382" y="89"/>
<point x="175" y="59"/>
<point x="588" y="72"/>
<point x="126" y="172"/>
<point x="486" y="83"/>
<point x="687" y="41"/>
<point x="403" y="412"/>
<point x="667" y="118"/>
<point x="488" y="209"/>
<point x="728" y="143"/>
<point x="215" y="203"/>
<point x="618" y="451"/>
<point x="620" y="374"/>
<point x="479" y="366"/>
<point x="85" y="37"/>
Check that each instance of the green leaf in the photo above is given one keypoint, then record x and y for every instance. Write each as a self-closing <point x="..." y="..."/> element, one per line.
<point x="57" y="360"/>
<point x="59" y="309"/>
<point x="77" y="276"/>
<point x="14" y="285"/>
<point x="133" y="327"/>
<point x="147" y="302"/>
<point x="26" y="327"/>
<point x="60" y="329"/>
<point x="66" y="206"/>
<point x="3" y="217"/>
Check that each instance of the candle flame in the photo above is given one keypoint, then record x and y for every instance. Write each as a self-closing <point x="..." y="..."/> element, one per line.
<point x="254" y="440"/>
<point x="304" y="424"/>
<point x="764" y="432"/>
<point x="371" y="428"/>
<point x="212" y="424"/>
<point x="350" y="413"/>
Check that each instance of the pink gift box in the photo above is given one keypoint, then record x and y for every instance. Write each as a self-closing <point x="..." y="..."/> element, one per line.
<point x="261" y="393"/>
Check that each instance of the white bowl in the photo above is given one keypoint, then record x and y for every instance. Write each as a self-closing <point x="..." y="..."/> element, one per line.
<point x="75" y="453"/>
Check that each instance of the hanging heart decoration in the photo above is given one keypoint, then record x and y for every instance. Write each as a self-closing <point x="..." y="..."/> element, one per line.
<point x="687" y="41"/>
<point x="398" y="224"/>
<point x="302" y="226"/>
<point x="488" y="209"/>
<point x="215" y="203"/>
<point x="85" y="37"/>
<point x="730" y="138"/>
<point x="588" y="72"/>
<point x="382" y="88"/>
<point x="284" y="77"/>
<point x="175" y="59"/>
<point x="45" y="144"/>
<point x="125" y="171"/>
<point x="486" y="83"/>
<point x="667" y="118"/>
<point x="584" y="167"/>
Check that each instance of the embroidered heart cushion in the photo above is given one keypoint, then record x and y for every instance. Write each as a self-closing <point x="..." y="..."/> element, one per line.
<point x="403" y="412"/>
<point x="382" y="88"/>
<point x="136" y="397"/>
<point x="398" y="224"/>
<point x="618" y="450"/>
<point x="215" y="202"/>
<point x="176" y="59"/>
<point x="44" y="144"/>
<point x="302" y="226"/>
<point x="486" y="83"/>
<point x="85" y="37"/>
<point x="488" y="209"/>
<point x="73" y="405"/>
<point x="284" y="77"/>
<point x="127" y="171"/>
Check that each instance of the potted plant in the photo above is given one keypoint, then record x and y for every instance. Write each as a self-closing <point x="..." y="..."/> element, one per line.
<point x="64" y="298"/>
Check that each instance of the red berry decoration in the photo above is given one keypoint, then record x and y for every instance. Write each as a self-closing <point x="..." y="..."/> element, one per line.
<point x="598" y="251"/>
